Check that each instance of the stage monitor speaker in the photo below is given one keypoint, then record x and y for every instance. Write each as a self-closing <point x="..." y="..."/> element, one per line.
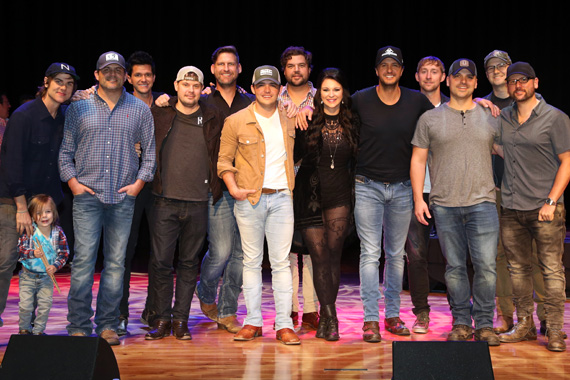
<point x="441" y="361"/>
<point x="58" y="357"/>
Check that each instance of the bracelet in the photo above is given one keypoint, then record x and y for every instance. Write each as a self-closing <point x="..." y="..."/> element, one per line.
<point x="550" y="202"/>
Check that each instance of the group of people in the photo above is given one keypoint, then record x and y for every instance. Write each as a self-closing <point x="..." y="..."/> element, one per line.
<point x="241" y="170"/>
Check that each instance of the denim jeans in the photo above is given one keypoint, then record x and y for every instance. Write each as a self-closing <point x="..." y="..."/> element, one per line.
<point x="224" y="257"/>
<point x="143" y="204"/>
<point x="34" y="289"/>
<point x="90" y="217"/>
<point x="474" y="231"/>
<point x="8" y="250"/>
<point x="417" y="249"/>
<point x="518" y="228"/>
<point x="272" y="219"/>
<point x="382" y="206"/>
<point x="175" y="221"/>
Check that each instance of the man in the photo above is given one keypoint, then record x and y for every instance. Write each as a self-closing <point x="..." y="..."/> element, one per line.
<point x="255" y="162"/>
<point x="388" y="113"/>
<point x="141" y="75"/>
<point x="298" y="93"/>
<point x="29" y="163"/>
<point x="458" y="137"/>
<point x="496" y="64"/>
<point x="224" y="257"/>
<point x="99" y="162"/>
<point x="187" y="137"/>
<point x="536" y="141"/>
<point x="430" y="74"/>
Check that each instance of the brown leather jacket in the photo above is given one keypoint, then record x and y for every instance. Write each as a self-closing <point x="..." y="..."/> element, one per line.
<point x="242" y="141"/>
<point x="213" y="122"/>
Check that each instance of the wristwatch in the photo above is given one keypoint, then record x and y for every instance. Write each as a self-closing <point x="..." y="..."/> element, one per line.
<point x="550" y="202"/>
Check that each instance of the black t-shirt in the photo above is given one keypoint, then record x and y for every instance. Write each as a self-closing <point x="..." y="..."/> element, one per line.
<point x="386" y="132"/>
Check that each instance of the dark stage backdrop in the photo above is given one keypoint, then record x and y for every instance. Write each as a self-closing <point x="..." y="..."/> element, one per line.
<point x="345" y="34"/>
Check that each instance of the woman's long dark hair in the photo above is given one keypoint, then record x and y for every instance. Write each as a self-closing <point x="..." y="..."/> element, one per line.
<point x="346" y="118"/>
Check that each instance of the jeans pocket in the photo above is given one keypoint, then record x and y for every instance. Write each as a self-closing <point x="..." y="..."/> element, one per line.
<point x="362" y="180"/>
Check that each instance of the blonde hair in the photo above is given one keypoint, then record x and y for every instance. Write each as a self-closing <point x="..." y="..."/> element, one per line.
<point x="38" y="203"/>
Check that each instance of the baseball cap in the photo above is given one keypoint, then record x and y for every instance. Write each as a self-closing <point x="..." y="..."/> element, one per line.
<point x="389" y="52"/>
<point x="463" y="63"/>
<point x="110" y="57"/>
<point x="502" y="55"/>
<point x="61" y="67"/>
<point x="522" y="68"/>
<point x="266" y="72"/>
<point x="190" y="73"/>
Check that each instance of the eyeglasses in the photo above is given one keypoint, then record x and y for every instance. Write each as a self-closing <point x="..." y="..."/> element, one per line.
<point x="521" y="80"/>
<point x="500" y="67"/>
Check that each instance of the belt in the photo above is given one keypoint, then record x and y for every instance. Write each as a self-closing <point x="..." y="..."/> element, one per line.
<point x="271" y="191"/>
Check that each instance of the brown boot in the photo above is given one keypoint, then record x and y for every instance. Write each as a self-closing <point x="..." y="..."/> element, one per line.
<point x="230" y="324"/>
<point x="555" y="340"/>
<point x="523" y="330"/>
<point x="371" y="332"/>
<point x="311" y="320"/>
<point x="503" y="324"/>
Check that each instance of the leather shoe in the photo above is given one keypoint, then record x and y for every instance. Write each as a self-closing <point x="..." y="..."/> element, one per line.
<point x="230" y="324"/>
<point x="248" y="332"/>
<point x="523" y="330"/>
<point x="288" y="337"/>
<point x="396" y="326"/>
<point x="311" y="320"/>
<point x="123" y="322"/>
<point x="371" y="332"/>
<point x="460" y="333"/>
<point x="543" y="329"/>
<point x="111" y="337"/>
<point x="24" y="332"/>
<point x="503" y="324"/>
<point x="161" y="329"/>
<point x="180" y="330"/>
<point x="294" y="318"/>
<point x="487" y="334"/>
<point x="555" y="340"/>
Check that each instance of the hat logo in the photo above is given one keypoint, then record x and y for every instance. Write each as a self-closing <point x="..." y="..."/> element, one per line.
<point x="268" y="72"/>
<point x="190" y="75"/>
<point x="112" y="57"/>
<point x="389" y="51"/>
<point x="64" y="67"/>
<point x="464" y="63"/>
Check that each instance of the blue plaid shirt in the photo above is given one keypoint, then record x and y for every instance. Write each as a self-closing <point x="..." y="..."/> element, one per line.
<point x="98" y="145"/>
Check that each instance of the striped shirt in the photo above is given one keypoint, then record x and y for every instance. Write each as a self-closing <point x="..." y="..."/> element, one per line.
<point x="98" y="145"/>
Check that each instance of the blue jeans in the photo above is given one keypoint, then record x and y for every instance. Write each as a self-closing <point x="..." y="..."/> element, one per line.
<point x="90" y="217"/>
<point x="272" y="219"/>
<point x="8" y="250"/>
<point x="474" y="231"/>
<point x="175" y="221"/>
<point x="382" y="206"/>
<point x="224" y="256"/>
<point x="34" y="289"/>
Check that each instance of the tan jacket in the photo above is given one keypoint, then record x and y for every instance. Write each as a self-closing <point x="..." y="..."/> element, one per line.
<point x="242" y="150"/>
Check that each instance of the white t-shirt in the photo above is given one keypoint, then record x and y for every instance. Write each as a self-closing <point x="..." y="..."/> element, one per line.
<point x="275" y="176"/>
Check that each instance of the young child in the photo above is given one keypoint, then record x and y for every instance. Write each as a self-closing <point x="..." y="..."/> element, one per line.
<point x="36" y="286"/>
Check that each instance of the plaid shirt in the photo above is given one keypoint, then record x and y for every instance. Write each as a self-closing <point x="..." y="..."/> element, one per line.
<point x="284" y="98"/>
<point x="98" y="145"/>
<point x="26" y="251"/>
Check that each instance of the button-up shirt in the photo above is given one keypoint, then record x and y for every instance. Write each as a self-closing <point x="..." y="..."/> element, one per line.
<point x="98" y="145"/>
<point x="531" y="152"/>
<point x="30" y="151"/>
<point x="285" y="98"/>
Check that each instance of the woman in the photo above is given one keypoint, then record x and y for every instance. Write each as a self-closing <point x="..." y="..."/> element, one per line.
<point x="324" y="189"/>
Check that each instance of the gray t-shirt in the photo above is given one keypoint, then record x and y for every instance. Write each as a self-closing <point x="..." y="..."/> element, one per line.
<point x="460" y="147"/>
<point x="531" y="155"/>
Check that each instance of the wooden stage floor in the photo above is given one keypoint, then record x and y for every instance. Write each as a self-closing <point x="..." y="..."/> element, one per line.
<point x="212" y="353"/>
